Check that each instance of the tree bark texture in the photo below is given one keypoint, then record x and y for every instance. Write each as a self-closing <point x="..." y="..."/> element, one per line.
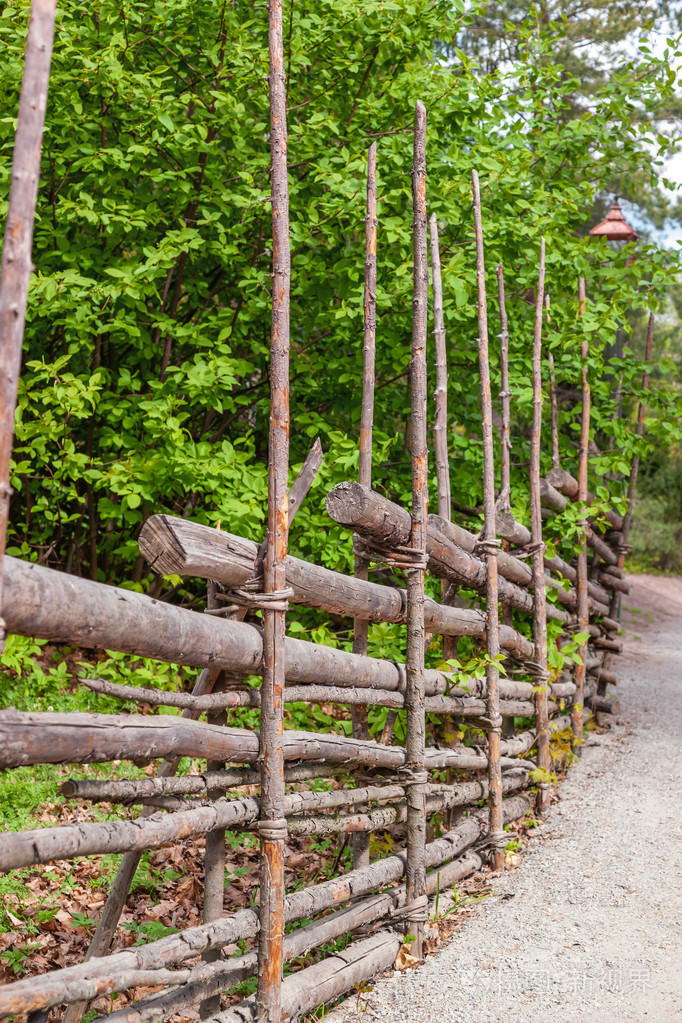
<point x="361" y="624"/>
<point x="490" y="547"/>
<point x="180" y="547"/>
<point x="583" y="608"/>
<point x="415" y="775"/>
<point x="103" y="976"/>
<point x="15" y="271"/>
<point x="540" y="597"/>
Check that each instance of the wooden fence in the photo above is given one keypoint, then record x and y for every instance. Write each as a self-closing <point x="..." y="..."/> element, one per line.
<point x="380" y="784"/>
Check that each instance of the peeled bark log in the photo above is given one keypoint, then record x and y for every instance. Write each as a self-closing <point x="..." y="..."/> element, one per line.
<point x="52" y="605"/>
<point x="551" y="498"/>
<point x="568" y="485"/>
<point x="458" y="702"/>
<point x="612" y="582"/>
<point x="381" y="521"/>
<point x="180" y="547"/>
<point x="44" y="738"/>
<point x="99" y="976"/>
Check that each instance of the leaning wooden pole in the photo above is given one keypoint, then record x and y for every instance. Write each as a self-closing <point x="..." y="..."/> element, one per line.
<point x="539" y="593"/>
<point x="18" y="239"/>
<point x="582" y="580"/>
<point x="415" y="774"/>
<point x="272" y="821"/>
<point x="489" y="544"/>
<point x="505" y="397"/>
<point x="361" y="625"/>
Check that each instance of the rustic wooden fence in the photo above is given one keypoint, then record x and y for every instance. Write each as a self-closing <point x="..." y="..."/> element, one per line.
<point x="380" y="784"/>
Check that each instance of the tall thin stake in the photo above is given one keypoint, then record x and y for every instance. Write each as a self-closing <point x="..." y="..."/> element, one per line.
<point x="582" y="581"/>
<point x="18" y="240"/>
<point x="361" y="625"/>
<point x="440" y="394"/>
<point x="505" y="396"/>
<point x="273" y="823"/>
<point x="416" y="776"/>
<point x="554" y="403"/>
<point x="490" y="546"/>
<point x="214" y="855"/>
<point x="634" y="470"/>
<point x="539" y="594"/>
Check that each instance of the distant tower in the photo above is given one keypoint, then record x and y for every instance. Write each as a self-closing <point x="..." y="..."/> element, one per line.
<point x="615" y="228"/>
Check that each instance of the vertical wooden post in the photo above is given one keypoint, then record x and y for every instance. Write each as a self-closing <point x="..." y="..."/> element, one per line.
<point x="554" y="404"/>
<point x="634" y="470"/>
<point x="18" y="240"/>
<point x="539" y="594"/>
<point x="272" y="822"/>
<point x="415" y="775"/>
<point x="581" y="581"/>
<point x="214" y="854"/>
<point x="490" y="545"/>
<point x="440" y="395"/>
<point x="505" y="397"/>
<point x="361" y="626"/>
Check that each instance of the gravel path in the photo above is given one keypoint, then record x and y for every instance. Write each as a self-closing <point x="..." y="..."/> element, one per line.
<point x="589" y="927"/>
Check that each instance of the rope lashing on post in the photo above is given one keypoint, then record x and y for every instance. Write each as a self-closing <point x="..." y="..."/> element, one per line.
<point x="537" y="672"/>
<point x="272" y="831"/>
<point x="529" y="549"/>
<point x="254" y="599"/>
<point x="415" y="912"/>
<point x="413" y="774"/>
<point x="400" y="556"/>
<point x="495" y="840"/>
<point x="488" y="546"/>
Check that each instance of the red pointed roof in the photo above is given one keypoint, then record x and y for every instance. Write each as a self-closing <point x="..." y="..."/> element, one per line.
<point x="615" y="228"/>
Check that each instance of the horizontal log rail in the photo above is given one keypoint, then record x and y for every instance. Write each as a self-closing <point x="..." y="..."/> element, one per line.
<point x="89" y="980"/>
<point x="568" y="486"/>
<point x="52" y="605"/>
<point x="78" y="738"/>
<point x="181" y="547"/>
<point x="457" y="703"/>
<point x="380" y="521"/>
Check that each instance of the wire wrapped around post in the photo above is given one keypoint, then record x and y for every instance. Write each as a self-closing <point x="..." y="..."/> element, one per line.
<point x="272" y="825"/>
<point x="539" y="592"/>
<point x="361" y="625"/>
<point x="18" y="238"/>
<point x="581" y="565"/>
<point x="414" y="772"/>
<point x="490" y="546"/>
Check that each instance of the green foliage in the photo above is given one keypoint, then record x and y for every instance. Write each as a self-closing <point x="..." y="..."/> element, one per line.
<point x="145" y="380"/>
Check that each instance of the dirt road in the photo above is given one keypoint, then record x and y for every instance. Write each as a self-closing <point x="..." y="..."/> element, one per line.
<point x="589" y="927"/>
